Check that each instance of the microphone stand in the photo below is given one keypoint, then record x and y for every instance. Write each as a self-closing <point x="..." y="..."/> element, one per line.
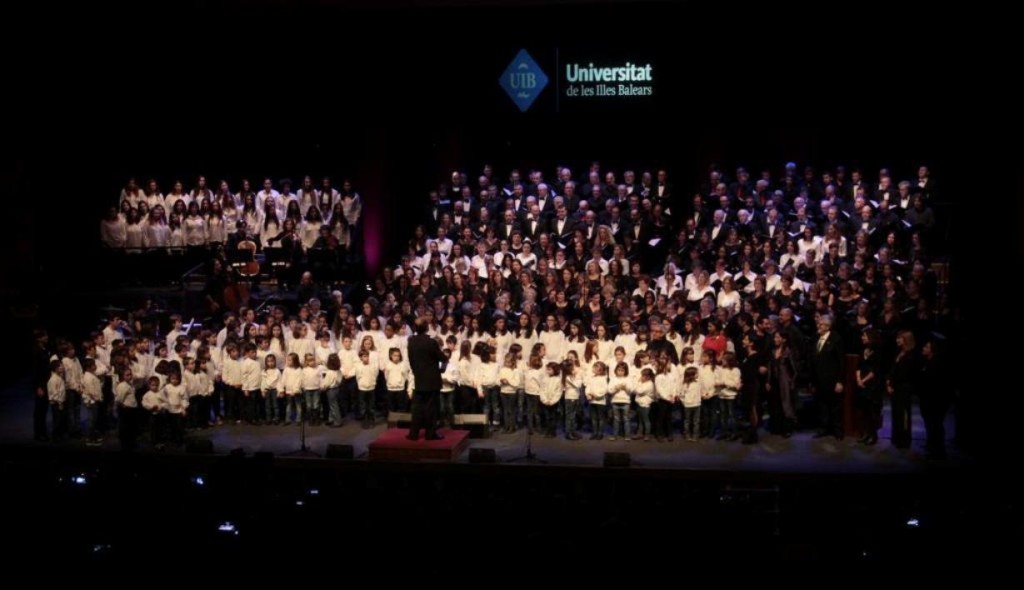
<point x="530" y="456"/>
<point x="303" y="450"/>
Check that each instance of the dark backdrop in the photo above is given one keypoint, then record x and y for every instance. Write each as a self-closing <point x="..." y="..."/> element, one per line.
<point x="396" y="95"/>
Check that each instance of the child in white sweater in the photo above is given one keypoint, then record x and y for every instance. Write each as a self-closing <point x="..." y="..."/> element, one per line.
<point x="56" y="392"/>
<point x="643" y="393"/>
<point x="270" y="384"/>
<point x="666" y="386"/>
<point x="92" y="397"/>
<point x="177" y="404"/>
<point x="366" y="373"/>
<point x="550" y="395"/>
<point x="597" y="394"/>
<point x="533" y="384"/>
<point x="291" y="384"/>
<point x="396" y="379"/>
<point x="727" y="384"/>
<point x="571" y="384"/>
<point x="311" y="390"/>
<point x="449" y="382"/>
<point x="618" y="389"/>
<point x="330" y="384"/>
<point x="691" y="403"/>
<point x="510" y="380"/>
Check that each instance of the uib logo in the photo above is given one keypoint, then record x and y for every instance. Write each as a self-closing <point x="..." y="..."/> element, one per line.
<point x="523" y="80"/>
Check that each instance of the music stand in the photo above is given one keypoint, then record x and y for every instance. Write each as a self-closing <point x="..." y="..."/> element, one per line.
<point x="277" y="259"/>
<point x="240" y="257"/>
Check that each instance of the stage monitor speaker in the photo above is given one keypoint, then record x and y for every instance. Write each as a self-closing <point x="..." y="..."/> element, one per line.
<point x="340" y="452"/>
<point x="200" y="446"/>
<point x="482" y="456"/>
<point x="616" y="460"/>
<point x="476" y="424"/>
<point x="399" y="419"/>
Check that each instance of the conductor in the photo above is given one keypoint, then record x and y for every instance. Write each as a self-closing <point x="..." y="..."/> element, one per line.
<point x="426" y="361"/>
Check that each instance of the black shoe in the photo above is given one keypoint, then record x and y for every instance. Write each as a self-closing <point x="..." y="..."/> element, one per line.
<point x="435" y="437"/>
<point x="412" y="436"/>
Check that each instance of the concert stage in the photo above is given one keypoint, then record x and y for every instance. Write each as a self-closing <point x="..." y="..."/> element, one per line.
<point x="801" y="454"/>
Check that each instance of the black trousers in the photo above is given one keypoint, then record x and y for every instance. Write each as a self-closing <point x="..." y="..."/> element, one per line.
<point x="900" y="404"/>
<point x="424" y="413"/>
<point x="830" y="409"/>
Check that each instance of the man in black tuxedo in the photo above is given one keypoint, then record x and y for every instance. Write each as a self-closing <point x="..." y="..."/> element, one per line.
<point x="532" y="225"/>
<point x="562" y="227"/>
<point x="827" y="373"/>
<point x="663" y="190"/>
<point x="425" y="360"/>
<point x="508" y="226"/>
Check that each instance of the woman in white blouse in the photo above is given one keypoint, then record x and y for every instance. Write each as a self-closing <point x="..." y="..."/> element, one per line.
<point x="527" y="258"/>
<point x="728" y="297"/>
<point x="133" y="232"/>
<point x="113" y="230"/>
<point x="808" y="241"/>
<point x="195" y="227"/>
<point x="703" y="288"/>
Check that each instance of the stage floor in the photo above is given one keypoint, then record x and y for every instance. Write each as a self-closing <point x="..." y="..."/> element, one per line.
<point x="801" y="454"/>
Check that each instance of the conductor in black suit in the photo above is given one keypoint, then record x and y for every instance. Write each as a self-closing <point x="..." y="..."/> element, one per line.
<point x="425" y="360"/>
<point x="827" y="368"/>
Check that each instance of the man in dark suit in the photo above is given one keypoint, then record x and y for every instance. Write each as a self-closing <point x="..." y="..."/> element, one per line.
<point x="508" y="226"/>
<point x="425" y="360"/>
<point x="562" y="226"/>
<point x="827" y="372"/>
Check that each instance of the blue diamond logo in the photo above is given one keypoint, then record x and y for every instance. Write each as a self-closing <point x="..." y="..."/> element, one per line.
<point x="523" y="80"/>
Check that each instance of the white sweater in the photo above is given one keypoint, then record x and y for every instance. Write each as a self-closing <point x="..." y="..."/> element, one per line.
<point x="597" y="389"/>
<point x="707" y="377"/>
<point x="513" y="379"/>
<point x="644" y="393"/>
<point x="692" y="394"/>
<point x="250" y="374"/>
<point x="124" y="395"/>
<point x="55" y="389"/>
<point x="571" y="386"/>
<point x="618" y="388"/>
<point x="450" y="377"/>
<point x="534" y="381"/>
<point x="348" y="358"/>
<point x="231" y="372"/>
<point x="486" y="375"/>
<point x="395" y="375"/>
<point x="310" y="378"/>
<point x="727" y="382"/>
<point x="366" y="375"/>
<point x="92" y="389"/>
<point x="154" y="401"/>
<point x="270" y="379"/>
<point x="291" y="381"/>
<point x="667" y="386"/>
<point x="72" y="373"/>
<point x="330" y="379"/>
<point x="551" y="391"/>
<point x="177" y="398"/>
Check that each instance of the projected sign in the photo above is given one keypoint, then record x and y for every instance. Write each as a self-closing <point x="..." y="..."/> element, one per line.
<point x="523" y="80"/>
<point x="584" y="80"/>
<point x="628" y="79"/>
